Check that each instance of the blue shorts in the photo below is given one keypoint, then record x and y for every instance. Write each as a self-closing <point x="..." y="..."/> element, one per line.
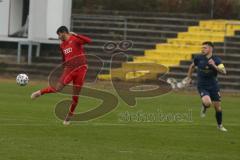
<point x="213" y="93"/>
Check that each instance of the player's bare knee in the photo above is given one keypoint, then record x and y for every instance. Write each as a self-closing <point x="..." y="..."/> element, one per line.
<point x="207" y="104"/>
<point x="217" y="107"/>
<point x="206" y="101"/>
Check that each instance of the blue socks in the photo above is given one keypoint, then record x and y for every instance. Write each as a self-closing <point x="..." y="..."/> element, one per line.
<point x="219" y="117"/>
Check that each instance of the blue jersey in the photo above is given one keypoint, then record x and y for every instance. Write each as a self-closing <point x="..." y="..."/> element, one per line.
<point x="206" y="74"/>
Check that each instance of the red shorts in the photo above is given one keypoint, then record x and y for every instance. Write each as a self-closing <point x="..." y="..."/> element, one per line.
<point x="76" y="75"/>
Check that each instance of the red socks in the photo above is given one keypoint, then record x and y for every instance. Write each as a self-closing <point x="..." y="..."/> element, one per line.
<point x="48" y="90"/>
<point x="53" y="90"/>
<point x="73" y="105"/>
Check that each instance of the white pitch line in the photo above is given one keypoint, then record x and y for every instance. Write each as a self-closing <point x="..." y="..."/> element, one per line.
<point x="126" y="151"/>
<point x="113" y="124"/>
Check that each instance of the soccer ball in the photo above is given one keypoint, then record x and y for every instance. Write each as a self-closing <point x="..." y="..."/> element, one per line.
<point x="22" y="79"/>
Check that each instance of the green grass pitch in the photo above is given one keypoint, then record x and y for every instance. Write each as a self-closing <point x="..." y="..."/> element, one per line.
<point x="29" y="129"/>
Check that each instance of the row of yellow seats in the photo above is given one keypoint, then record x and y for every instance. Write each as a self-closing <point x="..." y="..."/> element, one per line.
<point x="214" y="28"/>
<point x="106" y="77"/>
<point x="222" y="31"/>
<point x="175" y="58"/>
<point x="158" y="60"/>
<point x="217" y="22"/>
<point x="165" y="63"/>
<point x="170" y="54"/>
<point x="172" y="51"/>
<point x="221" y="26"/>
<point x="171" y="46"/>
<point x="187" y="35"/>
<point x="199" y="35"/>
<point x="192" y="41"/>
<point x="178" y="58"/>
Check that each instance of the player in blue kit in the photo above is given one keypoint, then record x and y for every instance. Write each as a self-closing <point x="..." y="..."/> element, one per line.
<point x="208" y="67"/>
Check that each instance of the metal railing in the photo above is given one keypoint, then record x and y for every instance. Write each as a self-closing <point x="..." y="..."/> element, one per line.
<point x="108" y="19"/>
<point x="225" y="33"/>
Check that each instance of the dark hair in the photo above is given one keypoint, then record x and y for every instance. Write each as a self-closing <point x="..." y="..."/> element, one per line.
<point x="208" y="43"/>
<point x="62" y="29"/>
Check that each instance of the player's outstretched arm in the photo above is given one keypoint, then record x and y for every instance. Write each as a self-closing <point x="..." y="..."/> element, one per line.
<point x="82" y="39"/>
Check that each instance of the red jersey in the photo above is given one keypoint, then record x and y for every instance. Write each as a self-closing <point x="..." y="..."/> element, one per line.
<point x="73" y="47"/>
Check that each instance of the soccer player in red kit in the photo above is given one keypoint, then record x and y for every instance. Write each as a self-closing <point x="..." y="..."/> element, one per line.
<point x="75" y="67"/>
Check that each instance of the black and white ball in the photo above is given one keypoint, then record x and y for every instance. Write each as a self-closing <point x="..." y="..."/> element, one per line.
<point x="22" y="79"/>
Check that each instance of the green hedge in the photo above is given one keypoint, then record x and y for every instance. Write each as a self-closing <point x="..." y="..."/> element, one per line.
<point x="222" y="8"/>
